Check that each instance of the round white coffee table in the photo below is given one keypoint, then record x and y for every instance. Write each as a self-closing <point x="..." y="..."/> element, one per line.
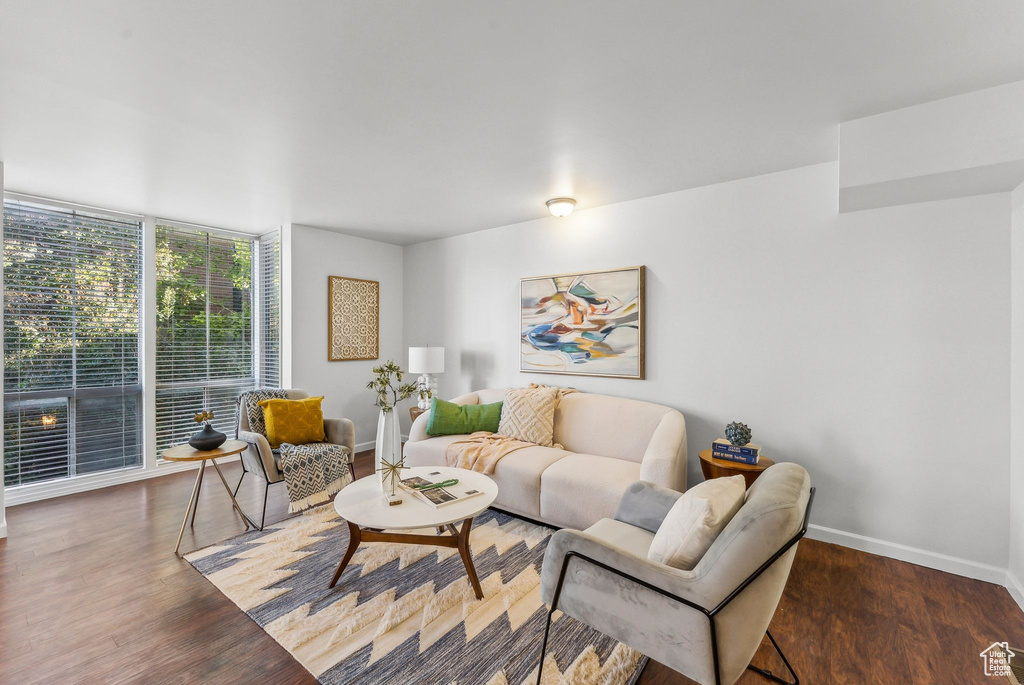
<point x="369" y="515"/>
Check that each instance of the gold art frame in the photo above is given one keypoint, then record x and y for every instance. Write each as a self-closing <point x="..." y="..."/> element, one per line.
<point x="641" y="315"/>
<point x="353" y="311"/>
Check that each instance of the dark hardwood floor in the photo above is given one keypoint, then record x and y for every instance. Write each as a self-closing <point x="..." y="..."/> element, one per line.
<point x="90" y="592"/>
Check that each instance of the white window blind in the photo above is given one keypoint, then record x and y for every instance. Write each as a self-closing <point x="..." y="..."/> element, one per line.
<point x="269" y="375"/>
<point x="72" y="395"/>
<point x="204" y="343"/>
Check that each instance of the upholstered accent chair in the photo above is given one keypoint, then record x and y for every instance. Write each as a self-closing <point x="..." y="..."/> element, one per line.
<point x="264" y="462"/>
<point x="707" y="622"/>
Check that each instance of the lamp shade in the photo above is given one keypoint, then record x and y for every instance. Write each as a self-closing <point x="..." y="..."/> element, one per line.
<point x="426" y="360"/>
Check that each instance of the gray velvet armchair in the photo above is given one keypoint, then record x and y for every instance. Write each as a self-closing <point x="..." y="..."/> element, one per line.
<point x="260" y="460"/>
<point x="708" y="622"/>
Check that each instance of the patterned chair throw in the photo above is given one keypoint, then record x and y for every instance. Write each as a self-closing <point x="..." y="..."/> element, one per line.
<point x="312" y="472"/>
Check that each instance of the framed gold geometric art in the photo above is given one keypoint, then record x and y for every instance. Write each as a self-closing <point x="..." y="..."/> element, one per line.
<point x="353" y="324"/>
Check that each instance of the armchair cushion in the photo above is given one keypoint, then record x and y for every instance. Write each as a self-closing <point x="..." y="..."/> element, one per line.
<point x="294" y="421"/>
<point x="645" y="505"/>
<point x="622" y="536"/>
<point x="695" y="521"/>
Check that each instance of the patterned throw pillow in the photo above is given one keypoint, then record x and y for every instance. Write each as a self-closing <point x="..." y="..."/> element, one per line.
<point x="250" y="405"/>
<point x="528" y="414"/>
<point x="295" y="421"/>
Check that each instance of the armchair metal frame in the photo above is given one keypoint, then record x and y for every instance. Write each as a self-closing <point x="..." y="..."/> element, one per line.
<point x="263" y="468"/>
<point x="266" y="490"/>
<point x="709" y="613"/>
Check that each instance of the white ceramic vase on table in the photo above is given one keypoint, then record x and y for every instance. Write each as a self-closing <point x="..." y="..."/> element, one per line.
<point x="387" y="448"/>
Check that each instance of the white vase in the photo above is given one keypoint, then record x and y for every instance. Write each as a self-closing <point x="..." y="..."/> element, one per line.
<point x="388" y="447"/>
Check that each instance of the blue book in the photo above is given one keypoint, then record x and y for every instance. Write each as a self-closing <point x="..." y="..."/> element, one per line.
<point x="748" y="450"/>
<point x="738" y="458"/>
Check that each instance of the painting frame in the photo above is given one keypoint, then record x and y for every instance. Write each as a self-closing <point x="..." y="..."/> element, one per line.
<point x="641" y="277"/>
<point x="335" y="350"/>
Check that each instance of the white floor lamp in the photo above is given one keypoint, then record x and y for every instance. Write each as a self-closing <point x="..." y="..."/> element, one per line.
<point x="426" y="361"/>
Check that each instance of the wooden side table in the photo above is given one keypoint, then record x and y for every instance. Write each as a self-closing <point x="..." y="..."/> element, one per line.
<point x="414" y="412"/>
<point x="722" y="468"/>
<point x="189" y="453"/>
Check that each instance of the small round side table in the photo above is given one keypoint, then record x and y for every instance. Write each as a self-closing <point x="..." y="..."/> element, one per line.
<point x="722" y="468"/>
<point x="189" y="453"/>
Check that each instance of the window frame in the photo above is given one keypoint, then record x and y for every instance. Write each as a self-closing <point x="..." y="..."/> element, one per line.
<point x="254" y="303"/>
<point x="152" y="465"/>
<point x="73" y="393"/>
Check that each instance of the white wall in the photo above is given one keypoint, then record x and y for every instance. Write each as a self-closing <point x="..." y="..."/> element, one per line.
<point x="315" y="255"/>
<point x="960" y="146"/>
<point x="873" y="349"/>
<point x="976" y="129"/>
<point x="1017" y="397"/>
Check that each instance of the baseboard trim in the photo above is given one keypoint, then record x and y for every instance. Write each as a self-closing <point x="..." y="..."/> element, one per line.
<point x="70" y="486"/>
<point x="3" y="530"/>
<point x="914" y="555"/>
<point x="369" y="445"/>
<point x="1015" y="589"/>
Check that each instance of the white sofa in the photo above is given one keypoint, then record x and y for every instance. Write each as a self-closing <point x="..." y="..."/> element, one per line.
<point x="608" y="444"/>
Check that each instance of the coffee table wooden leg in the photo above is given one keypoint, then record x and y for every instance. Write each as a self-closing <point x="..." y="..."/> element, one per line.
<point x="467" y="558"/>
<point x="354" y="536"/>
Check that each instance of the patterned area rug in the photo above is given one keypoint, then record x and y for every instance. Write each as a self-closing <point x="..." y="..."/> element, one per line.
<point x="406" y="613"/>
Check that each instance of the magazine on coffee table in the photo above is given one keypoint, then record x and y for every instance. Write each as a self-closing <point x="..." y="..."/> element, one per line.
<point x="438" y="496"/>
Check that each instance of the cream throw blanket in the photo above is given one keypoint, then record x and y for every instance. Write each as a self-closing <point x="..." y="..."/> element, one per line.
<point x="482" y="451"/>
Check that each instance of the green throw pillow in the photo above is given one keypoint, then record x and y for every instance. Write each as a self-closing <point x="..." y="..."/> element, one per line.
<point x="447" y="418"/>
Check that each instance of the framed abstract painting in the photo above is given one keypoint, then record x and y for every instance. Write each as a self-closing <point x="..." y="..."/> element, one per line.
<point x="353" y="323"/>
<point x="584" y="324"/>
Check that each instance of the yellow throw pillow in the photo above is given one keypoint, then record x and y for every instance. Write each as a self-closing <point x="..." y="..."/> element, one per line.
<point x="294" y="421"/>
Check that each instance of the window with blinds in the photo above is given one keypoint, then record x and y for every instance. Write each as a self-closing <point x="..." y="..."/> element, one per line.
<point x="269" y="372"/>
<point x="204" y="336"/>
<point x="72" y="394"/>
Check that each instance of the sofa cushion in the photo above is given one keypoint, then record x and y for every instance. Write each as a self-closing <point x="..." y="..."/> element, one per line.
<point x="518" y="475"/>
<point x="695" y="520"/>
<point x="623" y="536"/>
<point x="519" y="478"/>
<point x="446" y="418"/>
<point x="528" y="414"/>
<point x="606" y="426"/>
<point x="429" y="452"/>
<point x="581" y="489"/>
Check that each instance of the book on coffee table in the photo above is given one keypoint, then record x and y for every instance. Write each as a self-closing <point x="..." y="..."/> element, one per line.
<point x="435" y="496"/>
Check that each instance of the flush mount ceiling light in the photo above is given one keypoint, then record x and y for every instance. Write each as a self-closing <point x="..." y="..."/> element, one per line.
<point x="561" y="206"/>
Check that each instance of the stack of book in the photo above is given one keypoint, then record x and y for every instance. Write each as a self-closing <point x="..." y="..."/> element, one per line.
<point x="745" y="454"/>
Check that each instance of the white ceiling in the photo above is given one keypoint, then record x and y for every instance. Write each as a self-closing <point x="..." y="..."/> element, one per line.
<point x="404" y="121"/>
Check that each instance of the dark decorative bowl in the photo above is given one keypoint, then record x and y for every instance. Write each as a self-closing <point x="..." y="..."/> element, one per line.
<point x="207" y="439"/>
